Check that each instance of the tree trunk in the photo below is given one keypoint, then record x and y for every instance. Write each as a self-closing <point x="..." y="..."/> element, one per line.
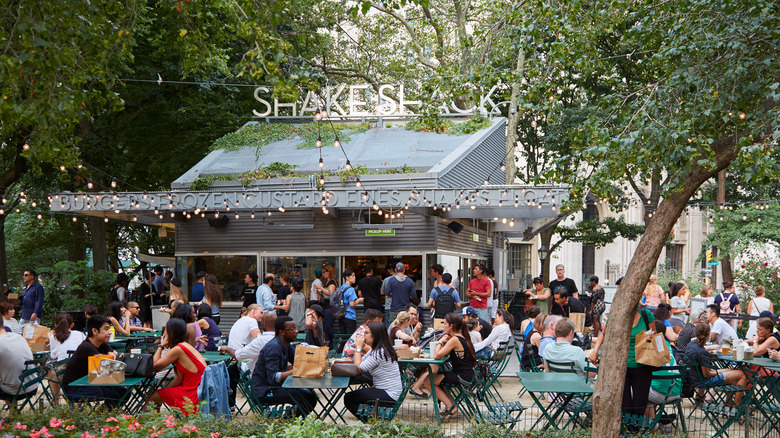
<point x="512" y="121"/>
<point x="99" y="254"/>
<point x="725" y="261"/>
<point x="76" y="250"/>
<point x="546" y="237"/>
<point x="3" y="265"/>
<point x="607" y="398"/>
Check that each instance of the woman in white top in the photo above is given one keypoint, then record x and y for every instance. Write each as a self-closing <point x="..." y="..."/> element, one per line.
<point x="706" y="293"/>
<point x="755" y="307"/>
<point x="61" y="340"/>
<point x="382" y="362"/>
<point x="502" y="331"/>
<point x="315" y="295"/>
<point x="680" y="310"/>
<point x="7" y="311"/>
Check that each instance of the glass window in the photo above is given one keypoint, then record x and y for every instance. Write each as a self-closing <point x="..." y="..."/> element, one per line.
<point x="297" y="266"/>
<point x="520" y="264"/>
<point x="229" y="270"/>
<point x="674" y="256"/>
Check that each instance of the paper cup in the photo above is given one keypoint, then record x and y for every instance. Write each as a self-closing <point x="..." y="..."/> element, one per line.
<point x="397" y="342"/>
<point x="135" y="351"/>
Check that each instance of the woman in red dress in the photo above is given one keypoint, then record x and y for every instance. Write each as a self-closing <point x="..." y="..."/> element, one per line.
<point x="182" y="392"/>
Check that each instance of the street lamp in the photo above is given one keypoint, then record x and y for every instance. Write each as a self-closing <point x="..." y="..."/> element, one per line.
<point x="543" y="253"/>
<point x="607" y="263"/>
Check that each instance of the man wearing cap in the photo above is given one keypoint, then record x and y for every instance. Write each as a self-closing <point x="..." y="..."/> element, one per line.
<point x="478" y="292"/>
<point x="400" y="289"/>
<point x="484" y="327"/>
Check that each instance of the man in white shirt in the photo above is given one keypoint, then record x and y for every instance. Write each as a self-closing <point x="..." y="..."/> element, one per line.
<point x="562" y="351"/>
<point x="245" y="329"/>
<point x="251" y="351"/>
<point x="14" y="351"/>
<point x="719" y="329"/>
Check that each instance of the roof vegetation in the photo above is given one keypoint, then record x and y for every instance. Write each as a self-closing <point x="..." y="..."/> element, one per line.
<point x="261" y="134"/>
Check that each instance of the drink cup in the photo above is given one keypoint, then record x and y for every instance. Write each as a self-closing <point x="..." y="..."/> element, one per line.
<point x="397" y="343"/>
<point x="725" y="349"/>
<point x="432" y="346"/>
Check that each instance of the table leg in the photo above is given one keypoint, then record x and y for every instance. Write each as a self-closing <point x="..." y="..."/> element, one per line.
<point x="539" y="403"/>
<point x="330" y="407"/>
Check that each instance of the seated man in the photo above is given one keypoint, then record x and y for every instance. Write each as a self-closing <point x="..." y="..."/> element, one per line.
<point x="245" y="329"/>
<point x="565" y="305"/>
<point x="548" y="333"/>
<point x="98" y="335"/>
<point x="369" y="316"/>
<point x="14" y="351"/>
<point x="271" y="370"/>
<point x="720" y="329"/>
<point x="251" y="351"/>
<point x="562" y="351"/>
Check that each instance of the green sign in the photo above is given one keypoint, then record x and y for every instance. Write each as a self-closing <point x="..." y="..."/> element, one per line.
<point x="374" y="233"/>
<point x="711" y="264"/>
<point x="488" y="240"/>
<point x="475" y="237"/>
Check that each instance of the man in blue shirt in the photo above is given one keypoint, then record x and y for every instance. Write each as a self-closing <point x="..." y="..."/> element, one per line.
<point x="562" y="350"/>
<point x="445" y="287"/>
<point x="158" y="284"/>
<point x="32" y="301"/>
<point x="265" y="295"/>
<point x="400" y="289"/>
<point x="271" y="370"/>
<point x="198" y="290"/>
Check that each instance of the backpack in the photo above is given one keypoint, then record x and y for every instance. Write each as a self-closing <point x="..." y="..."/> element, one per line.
<point x="445" y="303"/>
<point x="113" y="295"/>
<point x="725" y="304"/>
<point x="337" y="306"/>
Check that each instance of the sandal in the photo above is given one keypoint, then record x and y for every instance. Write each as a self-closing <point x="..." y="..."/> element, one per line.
<point x="421" y="395"/>
<point x="447" y="414"/>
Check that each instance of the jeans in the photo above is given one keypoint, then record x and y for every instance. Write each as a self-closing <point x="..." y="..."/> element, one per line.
<point x="282" y="396"/>
<point x="353" y="399"/>
<point x="484" y="314"/>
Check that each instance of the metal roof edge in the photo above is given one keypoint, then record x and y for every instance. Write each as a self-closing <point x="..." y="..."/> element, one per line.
<point x="185" y="179"/>
<point x="448" y="162"/>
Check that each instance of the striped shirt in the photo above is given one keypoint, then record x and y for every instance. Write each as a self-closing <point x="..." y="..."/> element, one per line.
<point x="385" y="373"/>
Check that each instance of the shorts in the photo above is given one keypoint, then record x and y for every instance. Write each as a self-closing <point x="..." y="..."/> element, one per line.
<point x="657" y="398"/>
<point x="451" y="378"/>
<point x="715" y="380"/>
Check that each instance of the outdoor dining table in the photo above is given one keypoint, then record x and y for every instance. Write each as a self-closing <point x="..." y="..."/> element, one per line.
<point x="428" y="363"/>
<point x="136" y="389"/>
<point x="215" y="357"/>
<point x="761" y="394"/>
<point x="330" y="388"/>
<point x="565" y="385"/>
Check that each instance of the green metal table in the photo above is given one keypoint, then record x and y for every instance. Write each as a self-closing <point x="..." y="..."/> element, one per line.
<point x="763" y="392"/>
<point x="565" y="385"/>
<point x="330" y="388"/>
<point x="215" y="357"/>
<point x="428" y="363"/>
<point x="134" y="396"/>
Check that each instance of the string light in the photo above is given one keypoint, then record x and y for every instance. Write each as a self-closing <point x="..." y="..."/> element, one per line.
<point x="113" y="182"/>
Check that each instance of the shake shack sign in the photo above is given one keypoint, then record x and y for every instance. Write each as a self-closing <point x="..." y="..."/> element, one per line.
<point x="365" y="100"/>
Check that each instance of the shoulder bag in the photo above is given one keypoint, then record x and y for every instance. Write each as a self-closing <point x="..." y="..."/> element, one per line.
<point x="137" y="365"/>
<point x="654" y="353"/>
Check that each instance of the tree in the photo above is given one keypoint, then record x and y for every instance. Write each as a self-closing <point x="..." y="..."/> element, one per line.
<point x="665" y="86"/>
<point x="55" y="53"/>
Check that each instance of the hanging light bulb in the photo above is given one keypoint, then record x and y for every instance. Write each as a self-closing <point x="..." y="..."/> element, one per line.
<point x="90" y="185"/>
<point x="172" y="214"/>
<point x="317" y="115"/>
<point x="105" y="219"/>
<point x="502" y="166"/>
<point x="281" y="209"/>
<point x="26" y="147"/>
<point x="62" y="168"/>
<point x="216" y="215"/>
<point x="321" y="163"/>
<point x="337" y="143"/>
<point x="135" y="218"/>
<point x="375" y="207"/>
<point x="319" y="142"/>
<point x="75" y="219"/>
<point x="324" y="113"/>
<point x="348" y="166"/>
<point x="252" y="215"/>
<point x="145" y="195"/>
<point x="512" y="223"/>
<point x="156" y="211"/>
<point x="237" y="216"/>
<point x="357" y="183"/>
<point x="40" y="216"/>
<point x="742" y="116"/>
<point x="322" y="180"/>
<point x="113" y="182"/>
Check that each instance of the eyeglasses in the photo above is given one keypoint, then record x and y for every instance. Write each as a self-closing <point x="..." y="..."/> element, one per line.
<point x="27" y="275"/>
<point x="309" y="314"/>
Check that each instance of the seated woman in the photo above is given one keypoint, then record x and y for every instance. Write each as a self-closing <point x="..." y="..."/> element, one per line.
<point x="456" y="343"/>
<point x="7" y="311"/>
<point x="116" y="313"/>
<point x="713" y="377"/>
<point x="315" y="333"/>
<point x="765" y="339"/>
<point x="182" y="392"/>
<point x="531" y="357"/>
<point x="402" y="321"/>
<point x="382" y="363"/>
<point x="663" y="313"/>
<point x="211" y="332"/>
<point x="502" y="332"/>
<point x="61" y="340"/>
<point x="527" y="326"/>
<point x="186" y="313"/>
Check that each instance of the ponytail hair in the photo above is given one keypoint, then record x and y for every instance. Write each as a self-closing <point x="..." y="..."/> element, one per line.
<point x="62" y="327"/>
<point x="702" y="333"/>
<point x="457" y="324"/>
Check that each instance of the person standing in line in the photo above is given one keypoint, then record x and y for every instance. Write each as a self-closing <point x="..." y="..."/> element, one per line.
<point x="315" y="296"/>
<point x="369" y="287"/>
<point x="249" y="295"/>
<point x="212" y="296"/>
<point x="158" y="285"/>
<point x="562" y="280"/>
<point x="32" y="301"/>
<point x="436" y="272"/>
<point x="265" y="295"/>
<point x="757" y="305"/>
<point x="478" y="292"/>
<point x="348" y="323"/>
<point x="456" y="280"/>
<point x="295" y="304"/>
<point x="493" y="299"/>
<point x="400" y="289"/>
<point x="119" y="291"/>
<point x="728" y="301"/>
<point x="388" y="301"/>
<point x="449" y="300"/>
<point x="197" y="291"/>
<point x="597" y="304"/>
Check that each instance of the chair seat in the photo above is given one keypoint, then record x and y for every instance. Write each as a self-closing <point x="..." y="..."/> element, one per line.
<point x="640" y="421"/>
<point x="725" y="411"/>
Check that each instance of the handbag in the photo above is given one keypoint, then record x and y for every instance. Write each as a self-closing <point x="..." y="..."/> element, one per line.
<point x="654" y="353"/>
<point x="138" y="365"/>
<point x="344" y="369"/>
<point x="310" y="361"/>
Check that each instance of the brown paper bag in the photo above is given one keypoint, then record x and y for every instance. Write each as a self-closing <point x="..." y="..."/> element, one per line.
<point x="310" y="361"/>
<point x="438" y="323"/>
<point x="107" y="379"/>
<point x="36" y="334"/>
<point x="13" y="296"/>
<point x="579" y="321"/>
<point x="654" y="353"/>
<point x="93" y="362"/>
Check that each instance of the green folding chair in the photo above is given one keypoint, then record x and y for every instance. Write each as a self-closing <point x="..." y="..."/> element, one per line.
<point x="670" y="405"/>
<point x="383" y="410"/>
<point x="31" y="382"/>
<point x="267" y="412"/>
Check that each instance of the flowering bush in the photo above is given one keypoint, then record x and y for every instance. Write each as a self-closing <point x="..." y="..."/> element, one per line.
<point x="757" y="268"/>
<point x="666" y="275"/>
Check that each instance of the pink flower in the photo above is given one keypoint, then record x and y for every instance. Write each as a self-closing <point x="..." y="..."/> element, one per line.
<point x="214" y="435"/>
<point x="54" y="423"/>
<point x="20" y="426"/>
<point x="70" y="427"/>
<point x="87" y="435"/>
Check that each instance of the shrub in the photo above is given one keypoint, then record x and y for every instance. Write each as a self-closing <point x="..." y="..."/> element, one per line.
<point x="71" y="286"/>
<point x="757" y="268"/>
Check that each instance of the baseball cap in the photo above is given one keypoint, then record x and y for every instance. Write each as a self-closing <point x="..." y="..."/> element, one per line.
<point x="767" y="314"/>
<point x="400" y="267"/>
<point x="469" y="311"/>
<point x="176" y="282"/>
<point x="317" y="308"/>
